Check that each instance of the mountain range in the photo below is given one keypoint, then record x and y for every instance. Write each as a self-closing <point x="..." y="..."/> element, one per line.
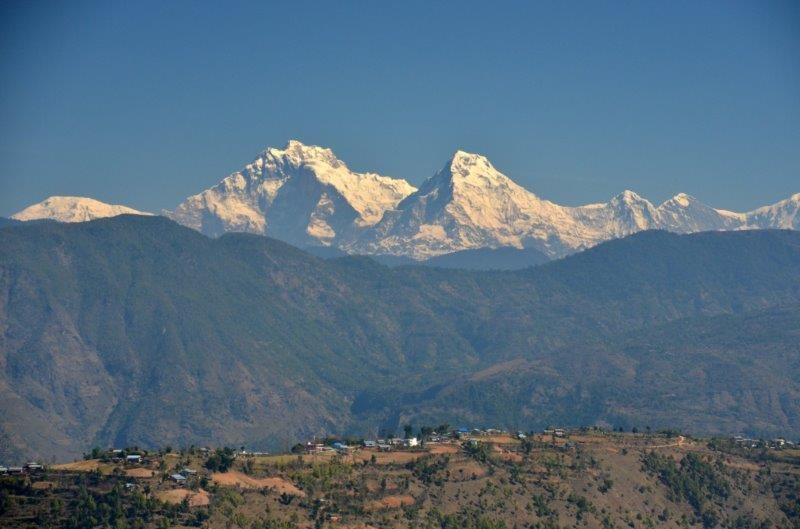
<point x="137" y="330"/>
<point x="306" y="196"/>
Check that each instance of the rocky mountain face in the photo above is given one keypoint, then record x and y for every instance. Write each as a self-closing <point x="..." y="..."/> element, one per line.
<point x="783" y="214"/>
<point x="469" y="204"/>
<point x="136" y="330"/>
<point x="299" y="194"/>
<point x="306" y="196"/>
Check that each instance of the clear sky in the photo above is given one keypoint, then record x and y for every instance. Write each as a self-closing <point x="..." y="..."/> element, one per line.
<point x="144" y="103"/>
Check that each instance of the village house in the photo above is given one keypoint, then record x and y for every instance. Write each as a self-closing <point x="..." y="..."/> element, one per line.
<point x="558" y="432"/>
<point x="178" y="478"/>
<point x="316" y="448"/>
<point x="340" y="447"/>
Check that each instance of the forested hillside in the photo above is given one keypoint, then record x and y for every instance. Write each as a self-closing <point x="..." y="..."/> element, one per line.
<point x="135" y="330"/>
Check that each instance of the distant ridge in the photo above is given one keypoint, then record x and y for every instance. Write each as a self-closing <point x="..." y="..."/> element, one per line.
<point x="489" y="259"/>
<point x="479" y="259"/>
<point x="9" y="222"/>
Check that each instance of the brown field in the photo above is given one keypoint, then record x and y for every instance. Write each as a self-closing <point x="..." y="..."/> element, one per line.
<point x="744" y="465"/>
<point x="498" y="439"/>
<point x="467" y="469"/>
<point x="388" y="458"/>
<point x="139" y="473"/>
<point x="444" y="449"/>
<point x="88" y="465"/>
<point x="391" y="502"/>
<point x="176" y="496"/>
<point x="283" y="459"/>
<point x="511" y="456"/>
<point x="238" y="479"/>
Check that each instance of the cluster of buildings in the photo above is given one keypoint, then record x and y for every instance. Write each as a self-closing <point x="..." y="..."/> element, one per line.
<point x="776" y="443"/>
<point x="457" y="434"/>
<point x="374" y="444"/>
<point x="183" y="475"/>
<point x="28" y="468"/>
<point x="557" y="432"/>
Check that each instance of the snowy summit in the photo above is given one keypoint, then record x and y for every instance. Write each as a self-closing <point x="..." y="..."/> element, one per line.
<point x="302" y="194"/>
<point x="305" y="195"/>
<point x="73" y="209"/>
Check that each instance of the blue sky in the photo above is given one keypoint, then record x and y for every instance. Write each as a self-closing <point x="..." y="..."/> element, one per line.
<point x="144" y="103"/>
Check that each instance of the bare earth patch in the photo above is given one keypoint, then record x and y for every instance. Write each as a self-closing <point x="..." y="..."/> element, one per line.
<point x="744" y="465"/>
<point x="499" y="439"/>
<point x="386" y="458"/>
<point x="43" y="485"/>
<point x="443" y="449"/>
<point x="176" y="496"/>
<point x="511" y="456"/>
<point x="391" y="502"/>
<point x="468" y="469"/>
<point x="238" y="479"/>
<point x="139" y="473"/>
<point x="88" y="465"/>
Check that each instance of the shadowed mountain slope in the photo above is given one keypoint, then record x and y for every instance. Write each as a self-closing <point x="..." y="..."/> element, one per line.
<point x="137" y="330"/>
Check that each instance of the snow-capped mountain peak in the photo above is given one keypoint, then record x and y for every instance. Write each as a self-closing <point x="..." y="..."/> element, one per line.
<point x="682" y="199"/>
<point x="73" y="209"/>
<point x="629" y="197"/>
<point x="464" y="164"/>
<point x="305" y="195"/>
<point x="475" y="170"/>
<point x="685" y="214"/>
<point x="302" y="193"/>
<point x="298" y="153"/>
<point x="467" y="204"/>
<point x="784" y="215"/>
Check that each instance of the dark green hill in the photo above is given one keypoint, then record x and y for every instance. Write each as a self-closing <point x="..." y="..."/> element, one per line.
<point x="136" y="330"/>
<point x="490" y="259"/>
<point x="725" y="374"/>
<point x="4" y="221"/>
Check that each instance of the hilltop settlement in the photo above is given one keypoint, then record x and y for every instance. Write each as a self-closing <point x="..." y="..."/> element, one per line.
<point x="436" y="477"/>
